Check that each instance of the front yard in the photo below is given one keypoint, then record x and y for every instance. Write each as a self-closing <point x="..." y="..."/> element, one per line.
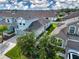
<point x="15" y="53"/>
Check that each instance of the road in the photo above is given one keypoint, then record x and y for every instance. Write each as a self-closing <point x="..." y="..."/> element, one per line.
<point x="7" y="45"/>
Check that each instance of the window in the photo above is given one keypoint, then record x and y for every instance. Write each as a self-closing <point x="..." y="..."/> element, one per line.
<point x="8" y="20"/>
<point x="72" y="29"/>
<point x="46" y="18"/>
<point x="20" y="23"/>
<point x="23" y="23"/>
<point x="17" y="26"/>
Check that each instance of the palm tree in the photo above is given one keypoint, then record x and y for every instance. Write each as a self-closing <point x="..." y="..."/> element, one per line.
<point x="2" y="29"/>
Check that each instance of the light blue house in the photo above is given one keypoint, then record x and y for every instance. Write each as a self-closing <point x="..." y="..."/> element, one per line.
<point x="18" y="24"/>
<point x="23" y="24"/>
<point x="11" y="22"/>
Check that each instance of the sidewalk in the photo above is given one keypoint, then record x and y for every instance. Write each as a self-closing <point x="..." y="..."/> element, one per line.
<point x="7" y="45"/>
<point x="4" y="57"/>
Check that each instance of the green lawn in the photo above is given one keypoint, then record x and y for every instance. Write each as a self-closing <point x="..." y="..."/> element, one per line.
<point x="15" y="53"/>
<point x="51" y="28"/>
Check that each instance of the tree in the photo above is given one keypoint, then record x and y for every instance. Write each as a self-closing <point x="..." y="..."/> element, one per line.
<point x="2" y="29"/>
<point x="26" y="44"/>
<point x="48" y="47"/>
<point x="43" y="48"/>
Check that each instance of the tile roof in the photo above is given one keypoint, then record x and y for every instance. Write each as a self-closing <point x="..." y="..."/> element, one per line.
<point x="72" y="15"/>
<point x="28" y="13"/>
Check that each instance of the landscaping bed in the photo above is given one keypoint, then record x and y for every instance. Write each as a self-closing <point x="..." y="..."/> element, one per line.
<point x="51" y="28"/>
<point x="15" y="53"/>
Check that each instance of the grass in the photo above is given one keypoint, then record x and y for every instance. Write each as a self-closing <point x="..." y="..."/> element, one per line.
<point x="61" y="57"/>
<point x="51" y="28"/>
<point x="15" y="53"/>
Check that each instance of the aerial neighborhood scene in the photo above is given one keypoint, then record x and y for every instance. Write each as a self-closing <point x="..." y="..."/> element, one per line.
<point x="39" y="29"/>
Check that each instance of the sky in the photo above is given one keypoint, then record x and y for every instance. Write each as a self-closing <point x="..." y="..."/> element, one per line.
<point x="58" y="4"/>
<point x="2" y="0"/>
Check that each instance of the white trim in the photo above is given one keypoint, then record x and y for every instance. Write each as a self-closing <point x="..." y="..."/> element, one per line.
<point x="71" y="51"/>
<point x="73" y="40"/>
<point x="70" y="27"/>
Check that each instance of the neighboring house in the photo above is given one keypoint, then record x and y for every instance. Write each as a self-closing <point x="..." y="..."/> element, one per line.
<point x="2" y="22"/>
<point x="23" y="24"/>
<point x="34" y="24"/>
<point x="13" y="18"/>
<point x="39" y="26"/>
<point x="11" y="22"/>
<point x="69" y="33"/>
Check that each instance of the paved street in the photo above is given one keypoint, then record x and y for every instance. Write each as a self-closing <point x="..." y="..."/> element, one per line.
<point x="4" y="57"/>
<point x="6" y="46"/>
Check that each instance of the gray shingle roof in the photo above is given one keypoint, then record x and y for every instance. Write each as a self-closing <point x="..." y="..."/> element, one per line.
<point x="73" y="45"/>
<point x="35" y="25"/>
<point x="38" y="23"/>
